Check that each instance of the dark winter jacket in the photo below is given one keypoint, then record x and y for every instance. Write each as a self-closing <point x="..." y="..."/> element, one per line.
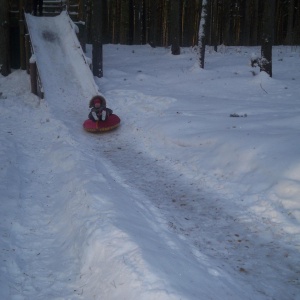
<point x="96" y="113"/>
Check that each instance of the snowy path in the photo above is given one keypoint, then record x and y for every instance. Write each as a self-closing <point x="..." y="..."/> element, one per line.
<point x="202" y="222"/>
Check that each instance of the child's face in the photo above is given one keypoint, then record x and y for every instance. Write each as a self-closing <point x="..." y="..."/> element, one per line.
<point x="97" y="104"/>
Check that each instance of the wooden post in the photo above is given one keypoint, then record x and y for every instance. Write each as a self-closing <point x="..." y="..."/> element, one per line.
<point x="97" y="51"/>
<point x="33" y="77"/>
<point x="22" y="33"/>
<point x="27" y="52"/>
<point x="22" y="45"/>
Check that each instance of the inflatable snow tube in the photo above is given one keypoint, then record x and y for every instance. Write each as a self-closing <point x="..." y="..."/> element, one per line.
<point x="112" y="122"/>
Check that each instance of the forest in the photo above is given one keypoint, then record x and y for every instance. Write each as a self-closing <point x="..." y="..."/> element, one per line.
<point x="159" y="23"/>
<point x="231" y="22"/>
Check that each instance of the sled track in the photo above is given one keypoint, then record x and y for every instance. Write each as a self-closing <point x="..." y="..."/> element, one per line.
<point x="224" y="236"/>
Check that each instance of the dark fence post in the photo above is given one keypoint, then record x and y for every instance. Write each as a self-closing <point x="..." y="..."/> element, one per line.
<point x="22" y="45"/>
<point x="33" y="77"/>
<point x="97" y="52"/>
<point x="27" y="51"/>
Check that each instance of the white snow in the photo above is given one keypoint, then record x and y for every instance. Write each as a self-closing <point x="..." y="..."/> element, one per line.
<point x="182" y="201"/>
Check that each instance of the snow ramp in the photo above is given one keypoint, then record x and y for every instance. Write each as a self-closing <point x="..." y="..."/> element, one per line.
<point x="63" y="68"/>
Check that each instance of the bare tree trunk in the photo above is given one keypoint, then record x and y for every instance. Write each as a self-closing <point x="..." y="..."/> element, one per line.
<point x="246" y="24"/>
<point x="130" y="22"/>
<point x="124" y="22"/>
<point x="215" y="24"/>
<point x="153" y="23"/>
<point x="297" y="24"/>
<point x="289" y="34"/>
<point x="165" y="22"/>
<point x="175" y="27"/>
<point x="203" y="30"/>
<point x="139" y="25"/>
<point x="254" y="40"/>
<point x="97" y="51"/>
<point x="4" y="39"/>
<point x="268" y="37"/>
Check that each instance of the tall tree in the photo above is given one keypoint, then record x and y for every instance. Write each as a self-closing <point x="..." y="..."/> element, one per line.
<point x="227" y="22"/>
<point x="153" y="23"/>
<point x="138" y="24"/>
<point x="97" y="51"/>
<point x="255" y="22"/>
<point x="289" y="34"/>
<point x="175" y="27"/>
<point x="215" y="24"/>
<point x="165" y="22"/>
<point x="246" y="23"/>
<point x="297" y="24"/>
<point x="267" y="37"/>
<point x="130" y="22"/>
<point x="203" y="31"/>
<point x="4" y="39"/>
<point x="124" y="21"/>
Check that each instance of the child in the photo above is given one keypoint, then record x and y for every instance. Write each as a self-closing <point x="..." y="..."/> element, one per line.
<point x="99" y="111"/>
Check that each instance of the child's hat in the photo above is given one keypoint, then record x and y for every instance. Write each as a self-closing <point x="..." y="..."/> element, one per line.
<point x="97" y="99"/>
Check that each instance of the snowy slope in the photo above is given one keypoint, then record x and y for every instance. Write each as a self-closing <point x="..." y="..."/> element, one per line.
<point x="181" y="202"/>
<point x="62" y="65"/>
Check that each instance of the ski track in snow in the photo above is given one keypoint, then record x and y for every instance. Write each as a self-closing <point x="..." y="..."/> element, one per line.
<point x="201" y="220"/>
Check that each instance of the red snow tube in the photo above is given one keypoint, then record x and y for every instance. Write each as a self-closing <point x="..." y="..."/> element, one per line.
<point x="112" y="122"/>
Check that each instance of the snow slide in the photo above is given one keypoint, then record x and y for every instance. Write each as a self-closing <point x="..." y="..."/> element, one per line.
<point x="60" y="60"/>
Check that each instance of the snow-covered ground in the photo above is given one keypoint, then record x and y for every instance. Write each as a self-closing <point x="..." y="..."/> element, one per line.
<point x="194" y="196"/>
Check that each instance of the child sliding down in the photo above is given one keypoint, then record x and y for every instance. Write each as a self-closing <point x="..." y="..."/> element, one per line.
<point x="99" y="111"/>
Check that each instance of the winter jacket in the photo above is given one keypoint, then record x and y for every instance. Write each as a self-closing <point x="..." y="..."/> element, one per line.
<point x="100" y="114"/>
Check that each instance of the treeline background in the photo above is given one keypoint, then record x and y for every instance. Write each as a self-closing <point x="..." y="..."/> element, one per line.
<point x="232" y="22"/>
